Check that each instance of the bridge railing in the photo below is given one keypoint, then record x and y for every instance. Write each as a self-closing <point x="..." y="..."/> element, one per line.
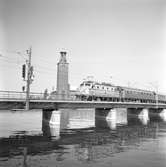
<point x="20" y="95"/>
<point x="34" y="96"/>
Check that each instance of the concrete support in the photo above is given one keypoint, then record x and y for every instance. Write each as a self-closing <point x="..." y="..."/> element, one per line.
<point x="100" y="117"/>
<point x="102" y="112"/>
<point x="138" y="113"/>
<point x="110" y="118"/>
<point x="163" y="115"/>
<point x="134" y="111"/>
<point x="144" y="116"/>
<point x="155" y="111"/>
<point x="51" y="123"/>
<point x="157" y="114"/>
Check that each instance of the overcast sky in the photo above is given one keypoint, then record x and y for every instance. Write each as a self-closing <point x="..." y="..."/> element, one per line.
<point x="122" y="41"/>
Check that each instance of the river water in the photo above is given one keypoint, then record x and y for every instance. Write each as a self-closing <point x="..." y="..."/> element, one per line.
<point x="79" y="139"/>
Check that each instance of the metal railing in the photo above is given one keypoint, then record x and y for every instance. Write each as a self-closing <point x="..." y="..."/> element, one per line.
<point x="20" y="95"/>
<point x="34" y="96"/>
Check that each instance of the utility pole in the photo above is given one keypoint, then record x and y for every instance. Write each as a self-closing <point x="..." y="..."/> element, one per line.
<point x="29" y="78"/>
<point x="157" y="101"/>
<point x="155" y="86"/>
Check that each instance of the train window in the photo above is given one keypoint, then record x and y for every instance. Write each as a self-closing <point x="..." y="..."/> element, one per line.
<point x="87" y="84"/>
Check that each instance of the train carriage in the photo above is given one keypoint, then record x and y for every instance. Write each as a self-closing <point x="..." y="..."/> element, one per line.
<point x="133" y="94"/>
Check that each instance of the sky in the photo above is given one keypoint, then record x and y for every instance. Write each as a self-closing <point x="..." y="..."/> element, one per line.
<point x="117" y="41"/>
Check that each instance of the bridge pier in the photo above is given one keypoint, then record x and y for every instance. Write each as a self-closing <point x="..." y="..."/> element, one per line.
<point x="102" y="112"/>
<point x="51" y="123"/>
<point x="110" y="117"/>
<point x="134" y="111"/>
<point x="157" y="114"/>
<point x="139" y="113"/>
<point x="155" y="111"/>
<point x="100" y="117"/>
<point x="163" y="115"/>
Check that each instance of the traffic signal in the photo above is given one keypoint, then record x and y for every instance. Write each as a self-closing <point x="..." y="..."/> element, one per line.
<point x="23" y="70"/>
<point x="23" y="88"/>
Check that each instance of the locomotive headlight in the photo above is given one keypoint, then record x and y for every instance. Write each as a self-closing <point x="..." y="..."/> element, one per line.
<point x="86" y="91"/>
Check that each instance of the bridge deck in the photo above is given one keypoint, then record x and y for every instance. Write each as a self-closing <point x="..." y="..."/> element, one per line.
<point x="40" y="104"/>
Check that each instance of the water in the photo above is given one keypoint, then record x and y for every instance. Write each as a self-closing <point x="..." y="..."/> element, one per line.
<point x="81" y="140"/>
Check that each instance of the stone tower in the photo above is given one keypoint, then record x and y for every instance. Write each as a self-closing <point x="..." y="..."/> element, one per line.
<point x="62" y="77"/>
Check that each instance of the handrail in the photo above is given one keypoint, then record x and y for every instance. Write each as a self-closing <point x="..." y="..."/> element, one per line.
<point x="19" y="95"/>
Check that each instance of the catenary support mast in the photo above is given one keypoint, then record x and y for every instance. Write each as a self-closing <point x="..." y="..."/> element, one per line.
<point x="29" y="74"/>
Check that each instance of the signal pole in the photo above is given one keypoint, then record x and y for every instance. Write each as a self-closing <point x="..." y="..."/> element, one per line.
<point x="29" y="80"/>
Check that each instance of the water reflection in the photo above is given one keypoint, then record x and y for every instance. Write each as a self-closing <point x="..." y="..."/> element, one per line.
<point x="66" y="139"/>
<point x="86" y="143"/>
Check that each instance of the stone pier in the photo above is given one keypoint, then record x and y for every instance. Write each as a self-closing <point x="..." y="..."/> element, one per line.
<point x="51" y="121"/>
<point x="109" y="118"/>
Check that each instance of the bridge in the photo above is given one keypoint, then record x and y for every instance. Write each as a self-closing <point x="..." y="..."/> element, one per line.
<point x="51" y="108"/>
<point x="63" y="97"/>
<point x="16" y="100"/>
<point x="61" y="104"/>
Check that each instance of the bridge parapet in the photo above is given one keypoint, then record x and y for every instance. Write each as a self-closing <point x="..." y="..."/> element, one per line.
<point x="20" y="95"/>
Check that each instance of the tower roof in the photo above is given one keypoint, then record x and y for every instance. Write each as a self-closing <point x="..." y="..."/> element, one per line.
<point x="63" y="57"/>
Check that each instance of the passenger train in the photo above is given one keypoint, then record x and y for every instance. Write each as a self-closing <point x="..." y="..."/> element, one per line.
<point x="95" y="91"/>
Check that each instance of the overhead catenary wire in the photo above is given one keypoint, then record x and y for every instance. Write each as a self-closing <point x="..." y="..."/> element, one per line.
<point x="44" y="67"/>
<point x="13" y="52"/>
<point x="18" y="61"/>
<point x="44" y="60"/>
<point x="5" y="59"/>
<point x="44" y="72"/>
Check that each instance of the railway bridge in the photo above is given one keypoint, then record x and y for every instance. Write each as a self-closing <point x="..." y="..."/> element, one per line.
<point x="50" y="108"/>
<point x="17" y="100"/>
